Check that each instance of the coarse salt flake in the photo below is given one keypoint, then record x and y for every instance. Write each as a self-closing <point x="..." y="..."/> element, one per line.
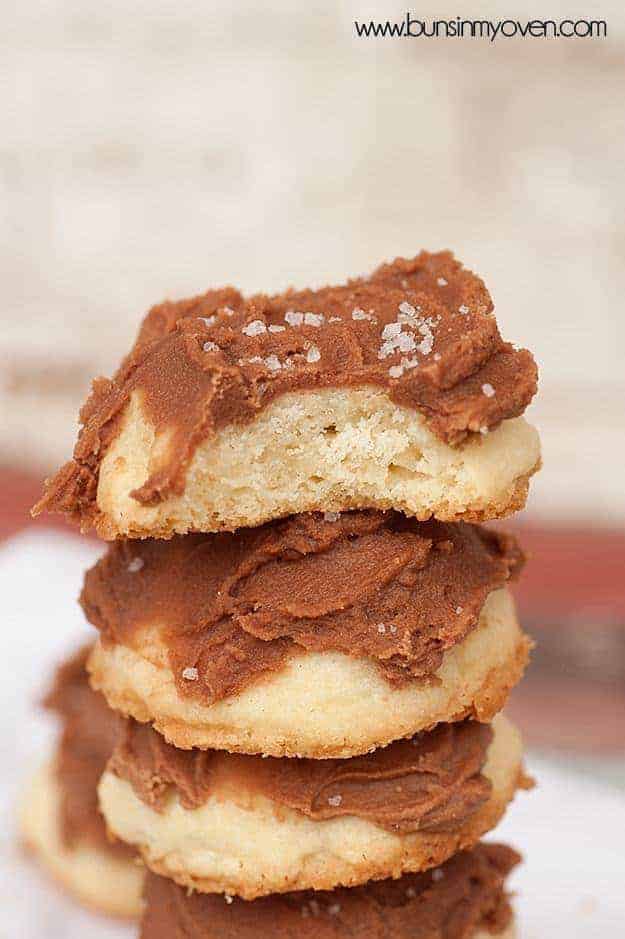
<point x="207" y="320"/>
<point x="210" y="347"/>
<point x="313" y="355"/>
<point x="391" y="330"/>
<point x="135" y="565"/>
<point x="459" y="610"/>
<point x="335" y="801"/>
<point x="314" y="319"/>
<point x="273" y="363"/>
<point x="488" y="389"/>
<point x="396" y="371"/>
<point x="358" y="314"/>
<point x="381" y="628"/>
<point x="274" y="328"/>
<point x="190" y="674"/>
<point x="406" y="343"/>
<point x="255" y="328"/>
<point x="331" y="516"/>
<point x="463" y="309"/>
<point x="293" y="318"/>
<point x="407" y="309"/>
<point x="441" y="281"/>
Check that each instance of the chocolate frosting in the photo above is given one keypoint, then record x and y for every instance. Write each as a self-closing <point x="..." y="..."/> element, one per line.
<point x="90" y="732"/>
<point x="233" y="607"/>
<point x="423" y="330"/>
<point x="449" y="902"/>
<point x="432" y="782"/>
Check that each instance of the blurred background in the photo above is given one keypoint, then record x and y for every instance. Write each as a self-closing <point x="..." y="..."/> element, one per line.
<point x="156" y="149"/>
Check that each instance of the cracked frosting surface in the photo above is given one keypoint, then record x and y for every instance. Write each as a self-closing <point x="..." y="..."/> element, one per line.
<point x="454" y="901"/>
<point x="231" y="608"/>
<point x="422" y="329"/>
<point x="432" y="782"/>
<point x="90" y="732"/>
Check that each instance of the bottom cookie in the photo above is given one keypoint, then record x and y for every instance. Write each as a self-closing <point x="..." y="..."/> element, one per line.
<point x="465" y="898"/>
<point x="96" y="875"/>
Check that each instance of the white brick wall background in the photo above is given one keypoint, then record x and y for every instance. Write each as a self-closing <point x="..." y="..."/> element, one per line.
<point x="155" y="149"/>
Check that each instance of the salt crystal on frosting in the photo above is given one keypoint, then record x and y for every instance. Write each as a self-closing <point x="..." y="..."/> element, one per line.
<point x="488" y="389"/>
<point x="335" y="801"/>
<point x="396" y="371"/>
<point x="276" y="329"/>
<point x="358" y="314"/>
<point x="463" y="309"/>
<point x="255" y="328"/>
<point x="273" y="363"/>
<point x="210" y="347"/>
<point x="441" y="281"/>
<point x="293" y="318"/>
<point x="190" y="674"/>
<point x="391" y="330"/>
<point x="407" y="309"/>
<point x="406" y="343"/>
<point x="314" y="319"/>
<point x="135" y="565"/>
<point x="381" y="628"/>
<point x="207" y="320"/>
<point x="313" y="354"/>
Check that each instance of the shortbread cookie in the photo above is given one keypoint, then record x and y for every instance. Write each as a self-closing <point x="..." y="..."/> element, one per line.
<point x="103" y="876"/>
<point x="60" y="818"/>
<point x="392" y="391"/>
<point x="250" y="826"/>
<point x="463" y="899"/>
<point x="319" y="704"/>
<point x="195" y="627"/>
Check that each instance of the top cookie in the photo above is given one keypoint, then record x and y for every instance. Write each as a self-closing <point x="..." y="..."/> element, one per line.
<point x="391" y="391"/>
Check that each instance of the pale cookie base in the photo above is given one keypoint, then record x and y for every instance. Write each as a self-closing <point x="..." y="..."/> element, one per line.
<point x="253" y="847"/>
<point x="98" y="880"/>
<point x="320" y="705"/>
<point x="328" y="450"/>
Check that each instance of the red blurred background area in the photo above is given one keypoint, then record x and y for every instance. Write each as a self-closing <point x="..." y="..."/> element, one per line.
<point x="571" y="599"/>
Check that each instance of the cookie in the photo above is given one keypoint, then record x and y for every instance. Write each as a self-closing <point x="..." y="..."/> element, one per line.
<point x="463" y="899"/>
<point x="318" y="704"/>
<point x="60" y="819"/>
<point x="101" y="877"/>
<point x="391" y="391"/>
<point x="242" y="825"/>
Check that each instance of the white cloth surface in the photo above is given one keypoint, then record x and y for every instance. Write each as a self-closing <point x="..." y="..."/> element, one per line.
<point x="569" y="829"/>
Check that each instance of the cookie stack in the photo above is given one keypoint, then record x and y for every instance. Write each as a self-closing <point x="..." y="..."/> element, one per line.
<point x="309" y="632"/>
